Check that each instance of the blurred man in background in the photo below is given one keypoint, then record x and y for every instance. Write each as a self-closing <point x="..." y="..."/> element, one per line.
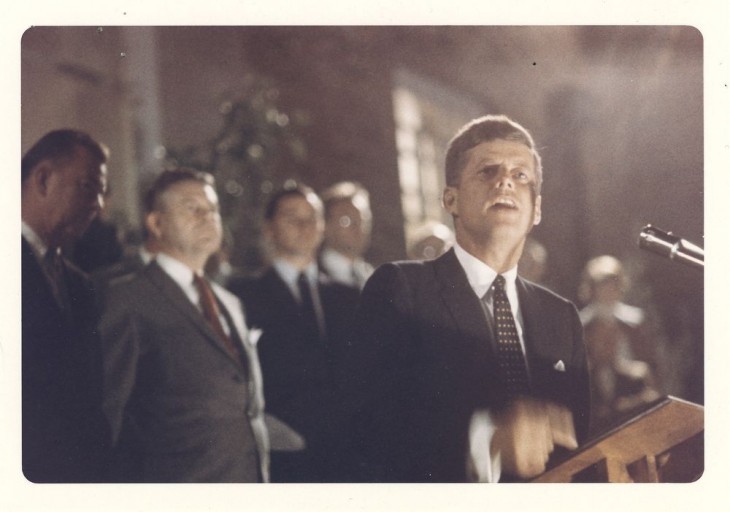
<point x="429" y="241"/>
<point x="304" y="316"/>
<point x="621" y="342"/>
<point x="348" y="224"/>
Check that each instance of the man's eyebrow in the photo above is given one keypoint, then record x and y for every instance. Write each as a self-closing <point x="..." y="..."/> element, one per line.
<point x="483" y="161"/>
<point x="188" y="200"/>
<point x="488" y="162"/>
<point x="289" y="210"/>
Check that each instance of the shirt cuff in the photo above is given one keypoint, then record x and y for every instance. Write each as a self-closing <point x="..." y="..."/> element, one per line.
<point x="484" y="466"/>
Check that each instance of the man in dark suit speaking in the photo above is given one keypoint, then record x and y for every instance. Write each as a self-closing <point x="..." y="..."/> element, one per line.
<point x="182" y="382"/>
<point x="461" y="370"/>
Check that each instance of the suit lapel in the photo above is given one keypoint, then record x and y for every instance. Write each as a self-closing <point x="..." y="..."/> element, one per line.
<point x="32" y="269"/>
<point x="468" y="313"/>
<point x="172" y="292"/>
<point x="37" y="283"/>
<point x="536" y="335"/>
<point x="461" y="301"/>
<point x="280" y="294"/>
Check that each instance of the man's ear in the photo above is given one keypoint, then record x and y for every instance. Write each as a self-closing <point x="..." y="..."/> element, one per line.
<point x="152" y="223"/>
<point x="41" y="176"/>
<point x="537" y="216"/>
<point x="450" y="199"/>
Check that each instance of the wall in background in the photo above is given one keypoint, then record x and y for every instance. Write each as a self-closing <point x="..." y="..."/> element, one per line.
<point x="617" y="112"/>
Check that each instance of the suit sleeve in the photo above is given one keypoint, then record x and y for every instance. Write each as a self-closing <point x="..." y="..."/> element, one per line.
<point x="582" y="398"/>
<point x="378" y="366"/>
<point x="120" y="341"/>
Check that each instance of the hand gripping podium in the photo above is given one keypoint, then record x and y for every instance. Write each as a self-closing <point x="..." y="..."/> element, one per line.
<point x="662" y="443"/>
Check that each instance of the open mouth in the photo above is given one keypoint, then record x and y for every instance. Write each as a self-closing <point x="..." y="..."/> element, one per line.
<point x="504" y="202"/>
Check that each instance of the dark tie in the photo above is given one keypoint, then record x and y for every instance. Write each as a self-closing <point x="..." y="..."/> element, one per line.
<point x="354" y="276"/>
<point x="509" y="352"/>
<point x="306" y="308"/>
<point x="211" y="312"/>
<point x="53" y="263"/>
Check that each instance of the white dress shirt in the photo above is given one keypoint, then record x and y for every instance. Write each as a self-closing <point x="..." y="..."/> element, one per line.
<point x="344" y="270"/>
<point x="183" y="277"/>
<point x="481" y="276"/>
<point x="486" y="463"/>
<point x="145" y="255"/>
<point x="35" y="242"/>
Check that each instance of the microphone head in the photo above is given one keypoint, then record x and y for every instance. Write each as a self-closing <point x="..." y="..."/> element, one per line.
<point x="670" y="246"/>
<point x="658" y="241"/>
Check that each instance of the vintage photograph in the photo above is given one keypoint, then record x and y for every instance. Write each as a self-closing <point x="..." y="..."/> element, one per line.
<point x="361" y="254"/>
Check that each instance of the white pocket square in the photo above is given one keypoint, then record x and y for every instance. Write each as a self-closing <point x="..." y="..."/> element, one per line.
<point x="559" y="366"/>
<point x="254" y="335"/>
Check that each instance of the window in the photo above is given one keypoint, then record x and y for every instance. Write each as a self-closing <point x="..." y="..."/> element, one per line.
<point x="427" y="115"/>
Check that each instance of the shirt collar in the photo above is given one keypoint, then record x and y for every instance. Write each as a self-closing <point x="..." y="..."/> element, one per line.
<point x="335" y="258"/>
<point x="36" y="243"/>
<point x="480" y="275"/>
<point x="289" y="273"/>
<point x="177" y="270"/>
<point x="338" y="265"/>
<point x="145" y="255"/>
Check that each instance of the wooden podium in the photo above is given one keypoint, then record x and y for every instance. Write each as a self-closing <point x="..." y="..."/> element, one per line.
<point x="663" y="443"/>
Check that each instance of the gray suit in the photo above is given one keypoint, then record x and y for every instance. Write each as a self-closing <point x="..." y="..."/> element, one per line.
<point x="181" y="407"/>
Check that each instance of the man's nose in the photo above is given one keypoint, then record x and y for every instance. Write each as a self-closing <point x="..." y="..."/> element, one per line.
<point x="306" y="223"/>
<point x="504" y="179"/>
<point x="98" y="204"/>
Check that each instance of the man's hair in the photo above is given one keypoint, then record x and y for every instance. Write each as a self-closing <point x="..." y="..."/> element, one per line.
<point x="288" y="190"/>
<point x="170" y="177"/>
<point x="58" y="145"/>
<point x="345" y="191"/>
<point x="486" y="129"/>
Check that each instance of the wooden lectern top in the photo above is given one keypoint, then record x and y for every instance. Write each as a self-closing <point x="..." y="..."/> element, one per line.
<point x="653" y="432"/>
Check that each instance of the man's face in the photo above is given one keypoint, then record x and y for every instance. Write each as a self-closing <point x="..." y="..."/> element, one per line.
<point x="188" y="223"/>
<point x="608" y="291"/>
<point x="76" y="189"/>
<point x="497" y="193"/>
<point x="297" y="227"/>
<point x="347" y="230"/>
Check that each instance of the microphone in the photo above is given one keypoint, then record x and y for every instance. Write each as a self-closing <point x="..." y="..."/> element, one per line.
<point x="670" y="246"/>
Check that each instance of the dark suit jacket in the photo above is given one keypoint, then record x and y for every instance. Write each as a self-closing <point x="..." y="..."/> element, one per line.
<point x="300" y="375"/>
<point x="130" y="264"/>
<point x="424" y="360"/>
<point x="64" y="434"/>
<point x="175" y="397"/>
